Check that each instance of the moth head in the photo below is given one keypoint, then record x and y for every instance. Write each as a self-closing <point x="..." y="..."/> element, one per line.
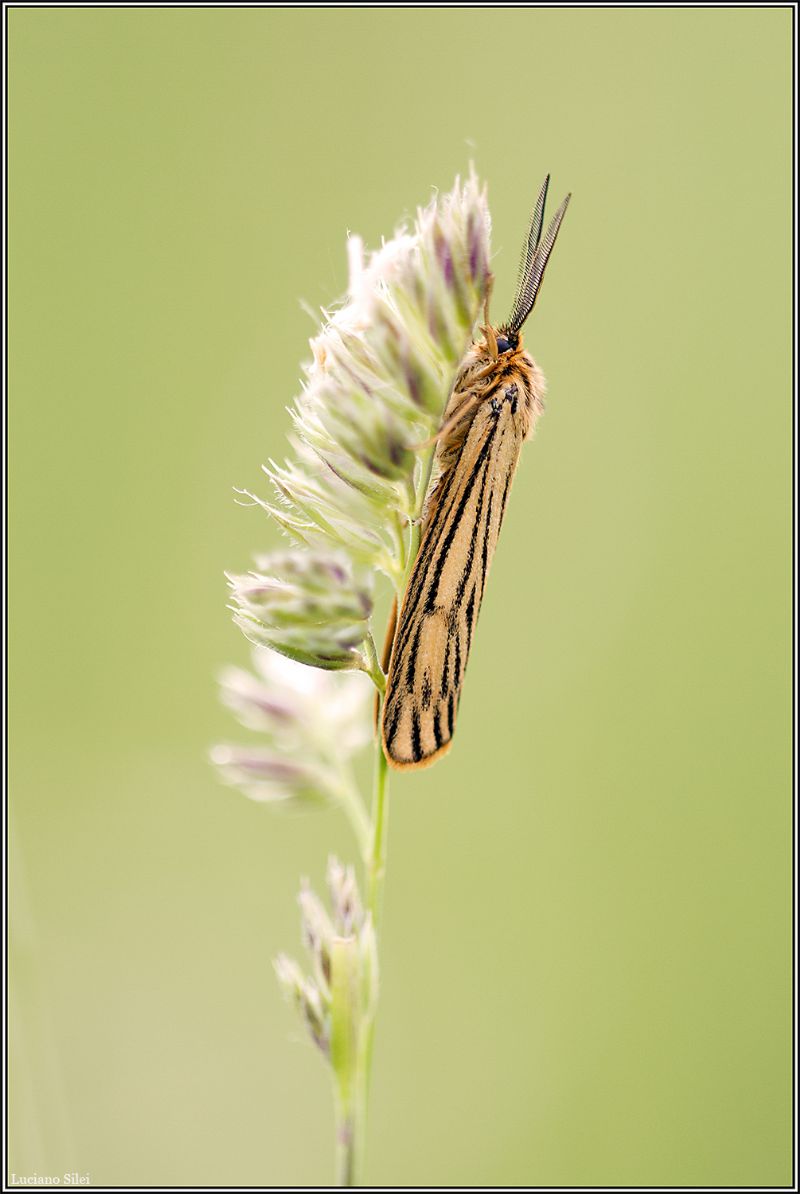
<point x="536" y="251"/>
<point x="506" y="342"/>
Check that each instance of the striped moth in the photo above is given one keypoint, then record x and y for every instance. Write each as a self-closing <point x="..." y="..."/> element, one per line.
<point x="496" y="399"/>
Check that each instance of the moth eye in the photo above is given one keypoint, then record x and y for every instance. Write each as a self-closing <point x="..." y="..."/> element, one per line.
<point x="503" y="345"/>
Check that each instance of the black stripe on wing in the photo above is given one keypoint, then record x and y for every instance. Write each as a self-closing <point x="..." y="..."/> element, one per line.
<point x="420" y="713"/>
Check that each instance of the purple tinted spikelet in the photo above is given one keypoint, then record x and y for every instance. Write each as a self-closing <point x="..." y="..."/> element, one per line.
<point x="382" y="366"/>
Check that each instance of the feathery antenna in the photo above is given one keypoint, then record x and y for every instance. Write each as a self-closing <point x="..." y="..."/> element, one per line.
<point x="536" y="252"/>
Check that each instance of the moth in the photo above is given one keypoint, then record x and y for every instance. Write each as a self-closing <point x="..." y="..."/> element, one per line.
<point x="496" y="398"/>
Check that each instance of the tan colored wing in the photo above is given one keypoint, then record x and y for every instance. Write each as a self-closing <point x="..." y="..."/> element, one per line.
<point x="443" y="599"/>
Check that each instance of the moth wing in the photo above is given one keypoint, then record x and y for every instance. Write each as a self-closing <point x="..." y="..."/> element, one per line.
<point x="445" y="590"/>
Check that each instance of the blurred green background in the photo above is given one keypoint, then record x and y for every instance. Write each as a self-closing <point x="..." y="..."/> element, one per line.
<point x="586" y="966"/>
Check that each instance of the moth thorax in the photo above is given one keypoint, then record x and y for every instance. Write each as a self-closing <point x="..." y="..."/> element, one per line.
<point x="536" y="387"/>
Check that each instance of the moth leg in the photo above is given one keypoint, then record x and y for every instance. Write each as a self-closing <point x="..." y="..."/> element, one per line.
<point x="388" y="643"/>
<point x="445" y="429"/>
<point x="489" y="288"/>
<point x="491" y="341"/>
